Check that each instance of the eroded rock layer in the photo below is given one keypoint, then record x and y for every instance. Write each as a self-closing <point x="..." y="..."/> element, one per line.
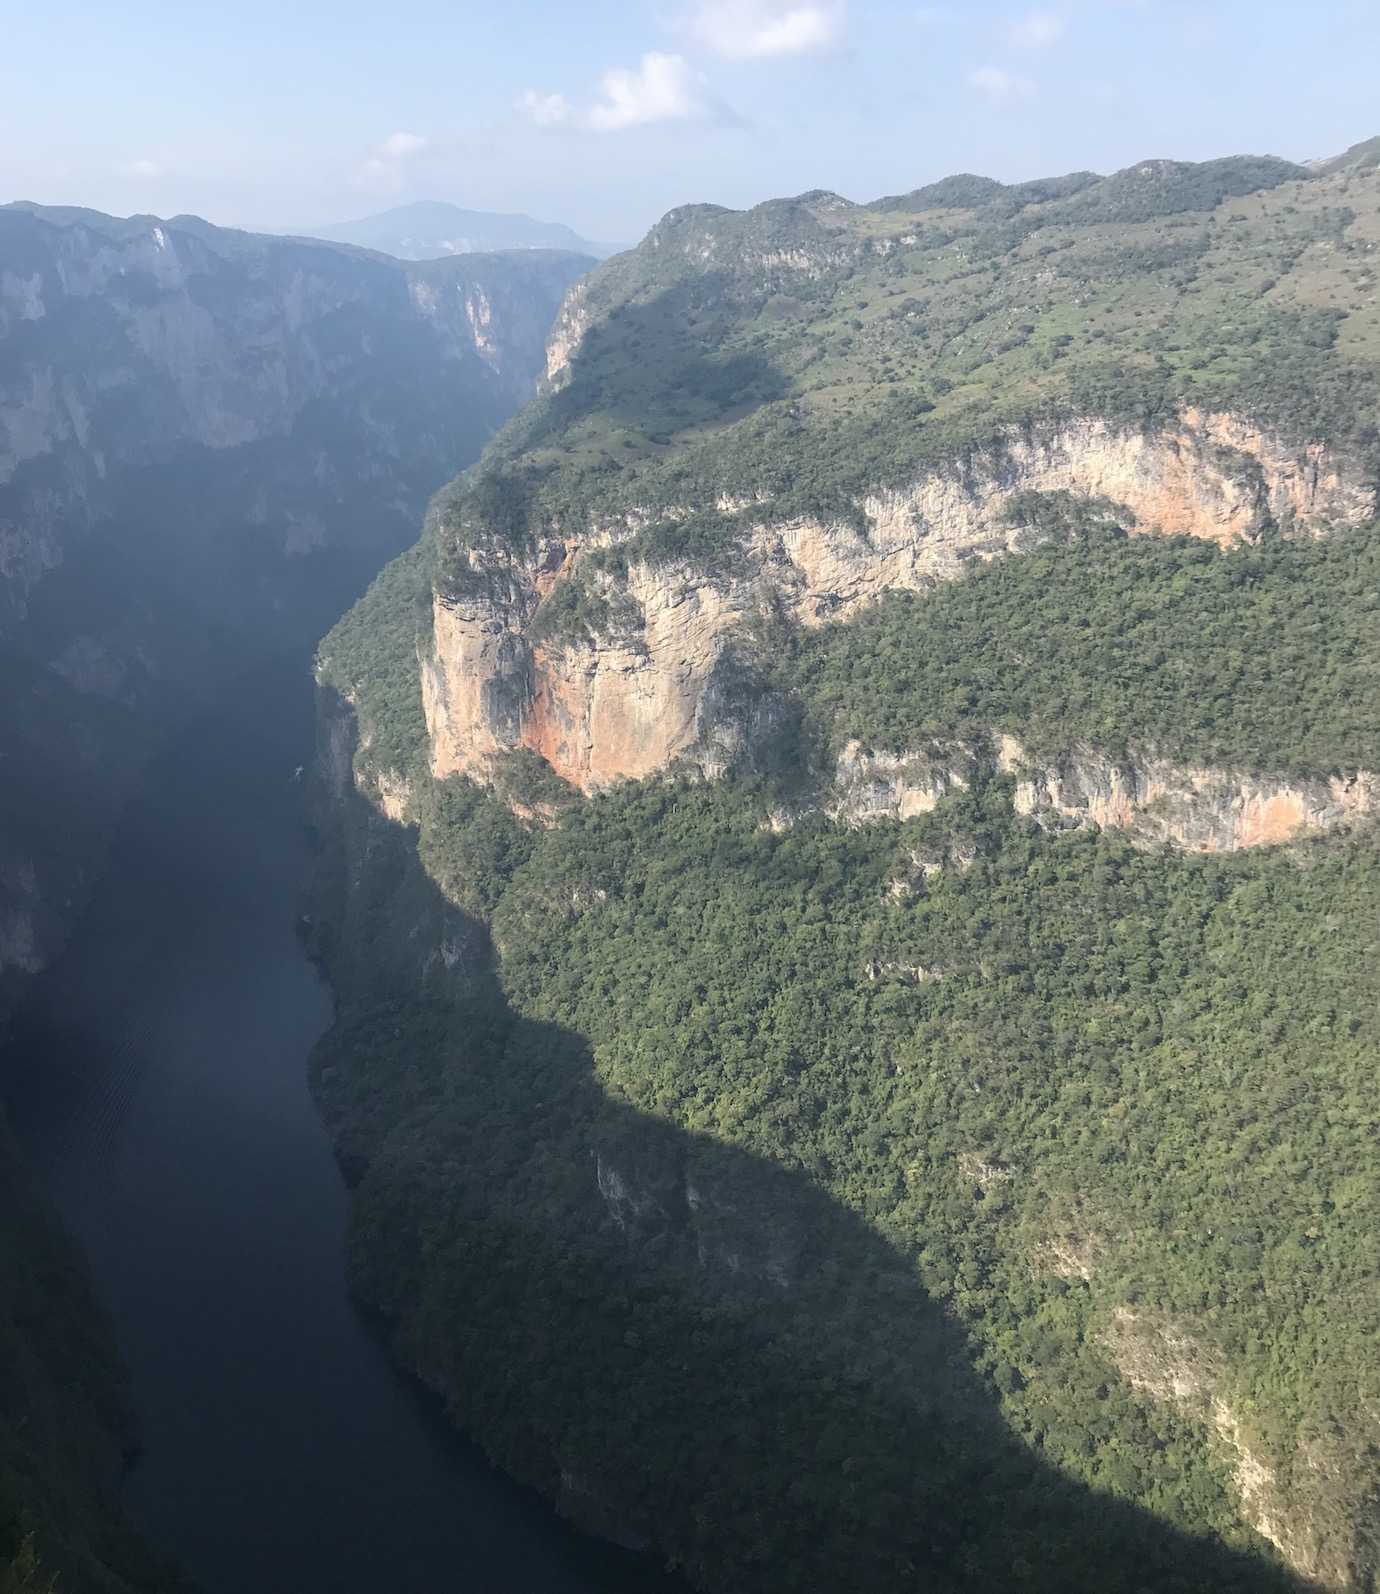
<point x="1154" y="800"/>
<point x="630" y="695"/>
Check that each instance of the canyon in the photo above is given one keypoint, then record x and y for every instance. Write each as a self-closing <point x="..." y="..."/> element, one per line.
<point x="806" y="1120"/>
<point x="209" y="441"/>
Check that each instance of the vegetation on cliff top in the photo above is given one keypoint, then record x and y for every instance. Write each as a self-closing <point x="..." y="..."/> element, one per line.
<point x="807" y="352"/>
<point x="1261" y="658"/>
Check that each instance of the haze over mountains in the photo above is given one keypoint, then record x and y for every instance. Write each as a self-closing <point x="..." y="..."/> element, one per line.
<point x="199" y="428"/>
<point x="208" y="439"/>
<point x="430" y="229"/>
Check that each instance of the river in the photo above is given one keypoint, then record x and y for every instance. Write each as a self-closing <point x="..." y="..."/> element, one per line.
<point x="162" y="1097"/>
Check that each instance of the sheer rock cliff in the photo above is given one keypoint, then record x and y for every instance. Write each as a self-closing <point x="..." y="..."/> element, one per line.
<point x="208" y="441"/>
<point x="634" y="693"/>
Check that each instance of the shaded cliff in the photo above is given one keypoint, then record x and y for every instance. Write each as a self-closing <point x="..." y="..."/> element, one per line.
<point x="65" y="1426"/>
<point x="209" y="441"/>
<point x="1030" y="1061"/>
<point x="294" y="376"/>
<point x="952" y="975"/>
<point x="621" y="1251"/>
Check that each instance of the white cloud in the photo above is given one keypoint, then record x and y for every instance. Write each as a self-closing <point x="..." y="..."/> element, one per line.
<point x="383" y="171"/>
<point x="1036" y="30"/>
<point x="144" y="169"/>
<point x="745" y="30"/>
<point x="398" y="146"/>
<point x="661" y="88"/>
<point x="1000" y="85"/>
<point x="546" y="110"/>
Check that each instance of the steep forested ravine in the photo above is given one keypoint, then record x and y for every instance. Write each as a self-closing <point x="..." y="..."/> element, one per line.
<point x="161" y="1068"/>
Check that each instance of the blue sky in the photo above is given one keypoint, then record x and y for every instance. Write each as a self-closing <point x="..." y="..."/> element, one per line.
<point x="605" y="115"/>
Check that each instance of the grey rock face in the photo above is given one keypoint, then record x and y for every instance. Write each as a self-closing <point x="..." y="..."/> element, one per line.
<point x="208" y="441"/>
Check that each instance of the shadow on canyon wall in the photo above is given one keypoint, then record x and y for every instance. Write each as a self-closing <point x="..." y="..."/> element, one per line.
<point x="66" y="1430"/>
<point x="655" y="364"/>
<point x="686" y="1345"/>
<point x="179" y="586"/>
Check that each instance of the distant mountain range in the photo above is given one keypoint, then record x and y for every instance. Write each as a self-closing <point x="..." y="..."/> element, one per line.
<point x="431" y="230"/>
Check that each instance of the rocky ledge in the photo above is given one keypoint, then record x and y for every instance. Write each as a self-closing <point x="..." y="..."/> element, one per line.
<point x="631" y="690"/>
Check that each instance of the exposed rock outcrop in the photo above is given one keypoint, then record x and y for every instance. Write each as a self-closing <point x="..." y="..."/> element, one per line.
<point x="1162" y="1360"/>
<point x="634" y="695"/>
<point x="571" y="325"/>
<point x="1154" y="800"/>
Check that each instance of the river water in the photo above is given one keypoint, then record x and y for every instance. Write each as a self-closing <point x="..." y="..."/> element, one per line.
<point x="161" y="1093"/>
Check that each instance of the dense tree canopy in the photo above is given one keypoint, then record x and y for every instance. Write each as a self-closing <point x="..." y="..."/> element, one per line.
<point x="946" y="1203"/>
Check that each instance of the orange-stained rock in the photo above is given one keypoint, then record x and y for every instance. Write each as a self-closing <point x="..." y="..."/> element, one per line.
<point x="626" y="703"/>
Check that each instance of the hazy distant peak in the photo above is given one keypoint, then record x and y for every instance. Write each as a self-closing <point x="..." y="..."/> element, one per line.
<point x="1158" y="187"/>
<point x="824" y="199"/>
<point x="431" y="229"/>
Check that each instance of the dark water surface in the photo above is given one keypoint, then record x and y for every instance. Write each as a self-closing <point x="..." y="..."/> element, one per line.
<point x="159" y="1086"/>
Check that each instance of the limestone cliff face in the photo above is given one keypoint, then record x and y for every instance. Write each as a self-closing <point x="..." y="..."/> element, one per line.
<point x="1200" y="809"/>
<point x="622" y="707"/>
<point x="636" y="693"/>
<point x="1154" y="800"/>
<point x="131" y="345"/>
<point x="571" y="325"/>
<point x="208" y="440"/>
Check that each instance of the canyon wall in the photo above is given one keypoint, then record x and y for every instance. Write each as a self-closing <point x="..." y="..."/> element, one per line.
<point x="209" y="441"/>
<point x="569" y="634"/>
<point x="1152" y="799"/>
<point x="293" y="375"/>
<point x="633" y="692"/>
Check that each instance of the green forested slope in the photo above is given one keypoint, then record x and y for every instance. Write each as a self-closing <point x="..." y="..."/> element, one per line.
<point x="941" y="1204"/>
<point x="809" y="351"/>
<point x="1063" y="1058"/>
<point x="1170" y="1066"/>
<point x="1263" y="658"/>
